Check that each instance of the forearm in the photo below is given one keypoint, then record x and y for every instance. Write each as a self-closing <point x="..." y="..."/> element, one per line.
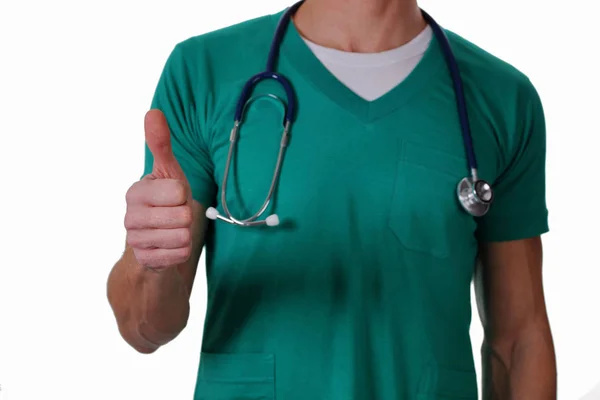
<point x="151" y="308"/>
<point x="522" y="369"/>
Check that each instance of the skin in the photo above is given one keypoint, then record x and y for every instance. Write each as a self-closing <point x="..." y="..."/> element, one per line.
<point x="362" y="26"/>
<point x="149" y="287"/>
<point x="518" y="352"/>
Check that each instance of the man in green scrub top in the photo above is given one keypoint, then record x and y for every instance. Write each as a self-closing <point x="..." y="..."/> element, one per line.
<point x="363" y="291"/>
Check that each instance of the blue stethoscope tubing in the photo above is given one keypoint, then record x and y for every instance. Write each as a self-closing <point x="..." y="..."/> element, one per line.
<point x="475" y="195"/>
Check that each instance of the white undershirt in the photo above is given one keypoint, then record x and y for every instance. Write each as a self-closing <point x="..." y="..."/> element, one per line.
<point x="371" y="75"/>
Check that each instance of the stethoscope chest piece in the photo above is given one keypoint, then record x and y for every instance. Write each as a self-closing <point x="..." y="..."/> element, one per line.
<point x="475" y="196"/>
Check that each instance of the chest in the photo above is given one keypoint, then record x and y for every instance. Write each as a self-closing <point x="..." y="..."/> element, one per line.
<point x="393" y="177"/>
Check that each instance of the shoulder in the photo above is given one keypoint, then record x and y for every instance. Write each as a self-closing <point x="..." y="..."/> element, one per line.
<point x="484" y="71"/>
<point x="226" y="51"/>
<point x="204" y="73"/>
<point x="478" y="63"/>
<point x="239" y="36"/>
<point x="503" y="95"/>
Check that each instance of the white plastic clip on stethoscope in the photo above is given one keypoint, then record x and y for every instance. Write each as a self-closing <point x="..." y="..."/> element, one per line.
<point x="475" y="195"/>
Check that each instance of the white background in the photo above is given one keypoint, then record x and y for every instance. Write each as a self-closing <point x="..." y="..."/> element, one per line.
<point x="76" y="78"/>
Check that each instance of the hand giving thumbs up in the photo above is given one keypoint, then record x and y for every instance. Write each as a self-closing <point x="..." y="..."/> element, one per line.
<point x="159" y="210"/>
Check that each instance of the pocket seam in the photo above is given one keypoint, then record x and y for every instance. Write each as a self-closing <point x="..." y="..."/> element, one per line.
<point x="450" y="159"/>
<point x="440" y="150"/>
<point x="436" y="171"/>
<point x="430" y="383"/>
<point x="241" y="381"/>
<point x="228" y="373"/>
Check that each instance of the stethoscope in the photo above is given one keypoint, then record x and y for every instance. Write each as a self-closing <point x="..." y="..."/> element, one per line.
<point x="475" y="195"/>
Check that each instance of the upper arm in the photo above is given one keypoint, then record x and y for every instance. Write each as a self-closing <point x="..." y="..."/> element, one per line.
<point x="509" y="289"/>
<point x="508" y="282"/>
<point x="519" y="208"/>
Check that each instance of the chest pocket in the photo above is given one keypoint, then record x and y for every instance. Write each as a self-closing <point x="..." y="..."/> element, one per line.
<point x="425" y="214"/>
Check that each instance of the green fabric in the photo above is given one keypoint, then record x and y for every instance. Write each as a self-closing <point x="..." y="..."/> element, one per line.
<point x="363" y="291"/>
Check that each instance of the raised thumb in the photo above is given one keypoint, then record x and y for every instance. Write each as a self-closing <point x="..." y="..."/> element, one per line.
<point x="158" y="139"/>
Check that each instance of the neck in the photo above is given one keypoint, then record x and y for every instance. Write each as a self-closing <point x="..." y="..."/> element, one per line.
<point x="361" y="26"/>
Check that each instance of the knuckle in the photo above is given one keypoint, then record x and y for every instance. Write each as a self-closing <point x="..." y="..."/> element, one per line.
<point x="132" y="193"/>
<point x="134" y="240"/>
<point x="143" y="257"/>
<point x="137" y="218"/>
<point x="131" y="240"/>
<point x="187" y="216"/>
<point x="183" y="254"/>
<point x="179" y="192"/>
<point x="186" y="237"/>
<point x="129" y="221"/>
<point x="147" y="259"/>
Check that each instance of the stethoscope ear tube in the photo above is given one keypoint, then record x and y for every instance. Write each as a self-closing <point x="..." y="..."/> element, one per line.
<point x="271" y="220"/>
<point x="290" y="109"/>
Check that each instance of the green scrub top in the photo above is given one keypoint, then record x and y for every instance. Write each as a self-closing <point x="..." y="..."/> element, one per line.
<point x="363" y="291"/>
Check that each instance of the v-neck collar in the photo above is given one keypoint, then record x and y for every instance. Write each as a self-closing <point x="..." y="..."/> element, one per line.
<point x="299" y="56"/>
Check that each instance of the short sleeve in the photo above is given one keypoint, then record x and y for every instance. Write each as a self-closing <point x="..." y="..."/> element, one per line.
<point x="176" y="96"/>
<point x="519" y="209"/>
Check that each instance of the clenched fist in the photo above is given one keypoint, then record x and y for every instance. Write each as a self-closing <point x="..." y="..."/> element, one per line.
<point x="159" y="207"/>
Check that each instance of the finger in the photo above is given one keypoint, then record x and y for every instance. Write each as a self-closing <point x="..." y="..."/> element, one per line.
<point x="140" y="217"/>
<point x="158" y="139"/>
<point x="158" y="193"/>
<point x="159" y="238"/>
<point x="162" y="258"/>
